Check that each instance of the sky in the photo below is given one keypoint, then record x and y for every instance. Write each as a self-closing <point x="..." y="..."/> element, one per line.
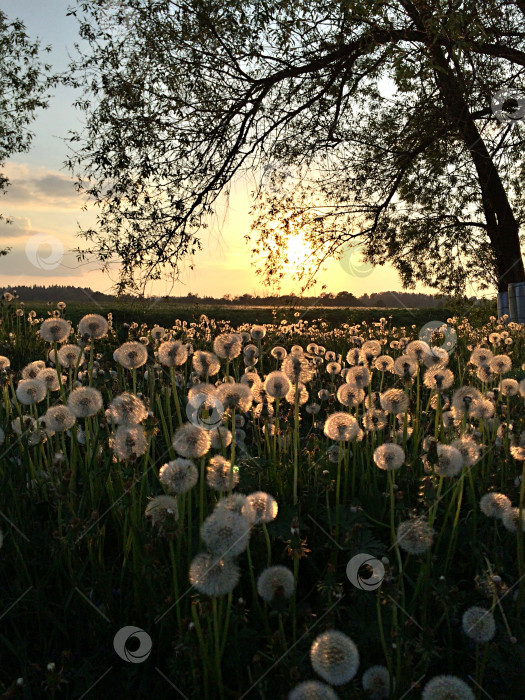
<point x="47" y="212"/>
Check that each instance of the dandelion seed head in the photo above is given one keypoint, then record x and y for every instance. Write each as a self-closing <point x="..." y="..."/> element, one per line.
<point x="334" y="657"/>
<point x="479" y="624"/>
<point x="225" y="533"/>
<point x="275" y="582"/>
<point x="220" y="476"/>
<point x="389" y="456"/>
<point x="59" y="418"/>
<point x="84" y="401"/>
<point x="450" y="461"/>
<point x="511" y="519"/>
<point x="212" y="576"/>
<point x="31" y="370"/>
<point x="415" y="536"/>
<point x="447" y="687"/>
<point x="191" y="442"/>
<point x="31" y="391"/>
<point x="179" y="475"/>
<point x="235" y="396"/>
<point x="93" y="326"/>
<point x="264" y="505"/>
<point x="172" y="353"/>
<point x="162" y="508"/>
<point x="131" y="355"/>
<point x="341" y="426"/>
<point x="376" y="683"/>
<point x="206" y="364"/>
<point x="228" y="346"/>
<point x="68" y="356"/>
<point x="55" y="330"/>
<point x="127" y="409"/>
<point x="129" y="442"/>
<point x="312" y="690"/>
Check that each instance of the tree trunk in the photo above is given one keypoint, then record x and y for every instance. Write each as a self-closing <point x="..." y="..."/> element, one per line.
<point x="502" y="227"/>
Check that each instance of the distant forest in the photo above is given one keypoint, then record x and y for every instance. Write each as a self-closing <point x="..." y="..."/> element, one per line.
<point x="68" y="293"/>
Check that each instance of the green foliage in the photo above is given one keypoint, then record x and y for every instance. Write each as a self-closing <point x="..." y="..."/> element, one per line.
<point x="367" y="121"/>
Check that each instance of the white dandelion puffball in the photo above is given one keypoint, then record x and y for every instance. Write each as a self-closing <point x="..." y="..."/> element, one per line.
<point x="479" y="624"/>
<point x="173" y="353"/>
<point x="511" y="519"/>
<point x="450" y="461"/>
<point x="494" y="505"/>
<point x="415" y="536"/>
<point x="220" y="475"/>
<point x="84" y="402"/>
<point x="220" y="437"/>
<point x="235" y="395"/>
<point x="131" y="355"/>
<point x="50" y="378"/>
<point x="258" y="332"/>
<point x="129" y="442"/>
<point x="31" y="391"/>
<point x="212" y="576"/>
<point x="59" y="418"/>
<point x="447" y="688"/>
<point x="55" y="330"/>
<point x="312" y="690"/>
<point x="93" y="326"/>
<point x="191" y="442"/>
<point x="31" y="370"/>
<point x="376" y="683"/>
<point x="228" y="346"/>
<point x="238" y="503"/>
<point x="264" y="505"/>
<point x="275" y="581"/>
<point x="341" y="426"/>
<point x="179" y="476"/>
<point x="334" y="657"/>
<point x="225" y="533"/>
<point x="277" y="385"/>
<point x="68" y="356"/>
<point x="162" y="508"/>
<point x="389" y="456"/>
<point x="5" y="362"/>
<point x="127" y="409"/>
<point x="206" y="364"/>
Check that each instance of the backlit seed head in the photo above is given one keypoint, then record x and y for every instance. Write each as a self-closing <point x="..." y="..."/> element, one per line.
<point x="447" y="688"/>
<point x="334" y="657"/>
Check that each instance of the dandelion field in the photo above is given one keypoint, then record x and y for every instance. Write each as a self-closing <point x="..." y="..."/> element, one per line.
<point x="298" y="511"/>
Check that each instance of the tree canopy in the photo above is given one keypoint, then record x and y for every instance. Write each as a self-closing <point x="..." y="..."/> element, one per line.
<point x="25" y="81"/>
<point x="396" y="124"/>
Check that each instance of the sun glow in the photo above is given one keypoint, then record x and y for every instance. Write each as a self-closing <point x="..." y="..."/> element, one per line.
<point x="297" y="251"/>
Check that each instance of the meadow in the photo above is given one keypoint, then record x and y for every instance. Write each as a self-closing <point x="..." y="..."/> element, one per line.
<point x="261" y="507"/>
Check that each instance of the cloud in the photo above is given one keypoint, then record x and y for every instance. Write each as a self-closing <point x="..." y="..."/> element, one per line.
<point x="36" y="187"/>
<point x="19" y="226"/>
